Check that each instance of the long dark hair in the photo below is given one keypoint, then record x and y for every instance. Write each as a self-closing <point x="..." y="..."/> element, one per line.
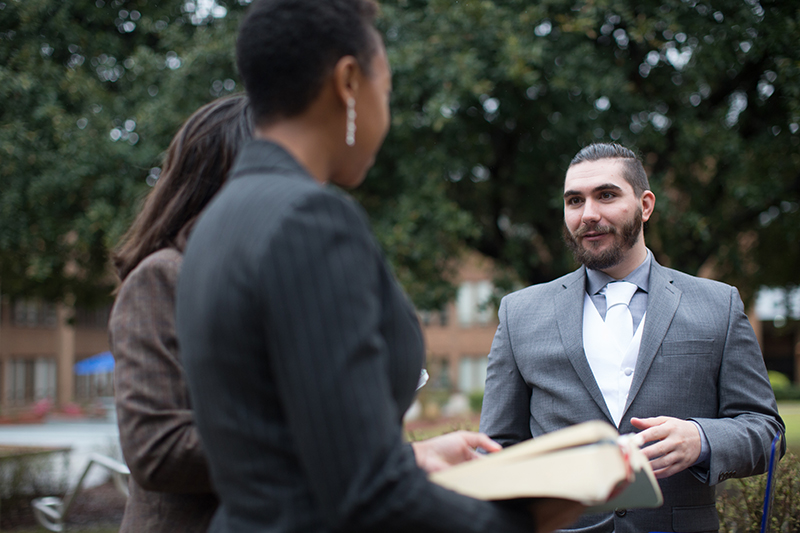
<point x="195" y="167"/>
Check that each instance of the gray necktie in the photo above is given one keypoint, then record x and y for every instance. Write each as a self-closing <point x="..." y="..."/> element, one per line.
<point x="618" y="315"/>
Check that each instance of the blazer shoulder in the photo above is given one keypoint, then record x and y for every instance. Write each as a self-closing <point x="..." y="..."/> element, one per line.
<point x="280" y="194"/>
<point x="146" y="296"/>
<point x="706" y="295"/>
<point x="165" y="259"/>
<point x="686" y="281"/>
<point x="545" y="290"/>
<point x="161" y="266"/>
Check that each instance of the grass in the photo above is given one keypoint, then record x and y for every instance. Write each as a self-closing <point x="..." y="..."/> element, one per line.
<point x="790" y="412"/>
<point x="419" y="430"/>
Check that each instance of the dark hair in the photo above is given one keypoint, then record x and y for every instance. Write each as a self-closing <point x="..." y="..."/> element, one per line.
<point x="634" y="171"/>
<point x="195" y="167"/>
<point x="285" y="48"/>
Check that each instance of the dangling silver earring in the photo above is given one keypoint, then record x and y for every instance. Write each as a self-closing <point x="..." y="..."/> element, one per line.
<point x="350" y="138"/>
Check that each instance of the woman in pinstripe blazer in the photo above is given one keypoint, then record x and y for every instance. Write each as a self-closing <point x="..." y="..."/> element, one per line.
<point x="170" y="490"/>
<point x="301" y="351"/>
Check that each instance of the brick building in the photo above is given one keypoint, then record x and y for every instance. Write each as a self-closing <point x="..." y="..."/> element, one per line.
<point x="458" y="338"/>
<point x="40" y="342"/>
<point x="39" y="345"/>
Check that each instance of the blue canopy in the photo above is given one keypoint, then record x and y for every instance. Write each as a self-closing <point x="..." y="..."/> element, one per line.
<point x="101" y="363"/>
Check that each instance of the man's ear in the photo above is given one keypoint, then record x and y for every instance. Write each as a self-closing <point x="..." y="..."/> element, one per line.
<point x="648" y="205"/>
<point x="346" y="74"/>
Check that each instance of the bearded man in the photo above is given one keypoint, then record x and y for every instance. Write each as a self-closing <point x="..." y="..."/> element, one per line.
<point x="644" y="347"/>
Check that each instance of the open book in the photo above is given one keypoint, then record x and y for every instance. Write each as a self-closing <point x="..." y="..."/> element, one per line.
<point x="589" y="463"/>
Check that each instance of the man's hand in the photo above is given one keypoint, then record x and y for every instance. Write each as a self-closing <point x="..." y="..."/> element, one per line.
<point x="677" y="443"/>
<point x="554" y="513"/>
<point x="447" y="450"/>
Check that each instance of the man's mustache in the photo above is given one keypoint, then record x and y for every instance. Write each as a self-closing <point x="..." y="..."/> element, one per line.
<point x="593" y="228"/>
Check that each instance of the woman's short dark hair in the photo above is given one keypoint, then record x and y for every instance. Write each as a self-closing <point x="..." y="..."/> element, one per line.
<point x="634" y="171"/>
<point x="195" y="167"/>
<point x="286" y="48"/>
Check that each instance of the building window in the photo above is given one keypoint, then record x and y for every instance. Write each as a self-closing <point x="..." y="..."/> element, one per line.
<point x="44" y="381"/>
<point x="433" y="318"/>
<point x="32" y="313"/>
<point x="473" y="303"/>
<point x="29" y="380"/>
<point x="438" y="371"/>
<point x="92" y="318"/>
<point x="472" y="373"/>
<point x="90" y="386"/>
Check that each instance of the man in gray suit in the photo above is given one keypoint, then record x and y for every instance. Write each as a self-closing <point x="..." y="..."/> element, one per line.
<point x="688" y="374"/>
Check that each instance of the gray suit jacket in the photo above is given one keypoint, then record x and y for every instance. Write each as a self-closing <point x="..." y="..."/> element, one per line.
<point x="302" y="354"/>
<point x="699" y="359"/>
<point x="170" y="487"/>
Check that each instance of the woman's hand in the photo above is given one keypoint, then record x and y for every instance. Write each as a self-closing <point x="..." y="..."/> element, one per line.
<point x="444" y="451"/>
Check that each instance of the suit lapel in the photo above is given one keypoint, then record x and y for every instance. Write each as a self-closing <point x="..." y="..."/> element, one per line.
<point x="569" y="315"/>
<point x="662" y="302"/>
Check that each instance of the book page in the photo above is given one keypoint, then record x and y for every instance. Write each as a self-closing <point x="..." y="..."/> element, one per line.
<point x="587" y="462"/>
<point x="588" y="474"/>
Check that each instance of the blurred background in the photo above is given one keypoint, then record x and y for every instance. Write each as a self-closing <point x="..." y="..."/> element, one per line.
<point x="491" y="100"/>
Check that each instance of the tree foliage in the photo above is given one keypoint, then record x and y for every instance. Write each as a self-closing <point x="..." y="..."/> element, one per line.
<point x="497" y="96"/>
<point x="491" y="100"/>
<point x="90" y="94"/>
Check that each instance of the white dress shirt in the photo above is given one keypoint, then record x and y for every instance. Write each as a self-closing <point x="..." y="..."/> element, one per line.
<point x="595" y="281"/>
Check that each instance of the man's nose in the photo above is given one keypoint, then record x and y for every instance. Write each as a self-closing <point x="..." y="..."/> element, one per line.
<point x="591" y="213"/>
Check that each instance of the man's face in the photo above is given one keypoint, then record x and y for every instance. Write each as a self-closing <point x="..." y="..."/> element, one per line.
<point x="602" y="215"/>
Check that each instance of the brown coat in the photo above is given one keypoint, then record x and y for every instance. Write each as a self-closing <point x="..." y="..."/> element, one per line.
<point x="170" y="489"/>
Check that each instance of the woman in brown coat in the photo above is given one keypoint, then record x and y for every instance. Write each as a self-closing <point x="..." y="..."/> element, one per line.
<point x="170" y="490"/>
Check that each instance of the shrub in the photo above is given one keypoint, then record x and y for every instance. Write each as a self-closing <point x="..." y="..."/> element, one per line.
<point x="740" y="501"/>
<point x="779" y="380"/>
<point x="27" y="473"/>
<point x="476" y="401"/>
<point x="791" y="392"/>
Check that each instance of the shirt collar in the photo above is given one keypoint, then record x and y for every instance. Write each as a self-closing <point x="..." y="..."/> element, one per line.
<point x="596" y="280"/>
<point x="260" y="156"/>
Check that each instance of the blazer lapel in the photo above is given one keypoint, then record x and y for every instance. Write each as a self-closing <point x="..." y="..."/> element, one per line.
<point x="569" y="315"/>
<point x="662" y="302"/>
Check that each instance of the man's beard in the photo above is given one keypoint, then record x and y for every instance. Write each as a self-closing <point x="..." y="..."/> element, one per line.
<point x="624" y="239"/>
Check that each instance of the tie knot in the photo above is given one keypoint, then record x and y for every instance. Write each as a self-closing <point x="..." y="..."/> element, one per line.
<point x="619" y="292"/>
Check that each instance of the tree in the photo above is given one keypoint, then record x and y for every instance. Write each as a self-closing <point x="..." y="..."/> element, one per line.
<point x="495" y="97"/>
<point x="491" y="100"/>
<point x="90" y="94"/>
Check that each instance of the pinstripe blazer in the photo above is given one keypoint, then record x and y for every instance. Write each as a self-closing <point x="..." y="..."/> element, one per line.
<point x="302" y="354"/>
<point x="170" y="489"/>
<point x="698" y="359"/>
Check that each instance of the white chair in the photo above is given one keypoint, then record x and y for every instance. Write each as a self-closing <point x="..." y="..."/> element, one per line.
<point x="51" y="511"/>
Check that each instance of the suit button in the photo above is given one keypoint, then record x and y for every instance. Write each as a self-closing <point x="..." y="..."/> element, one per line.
<point x="621" y="512"/>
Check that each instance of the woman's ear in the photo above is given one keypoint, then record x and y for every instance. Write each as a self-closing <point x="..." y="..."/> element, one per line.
<point x="346" y="74"/>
